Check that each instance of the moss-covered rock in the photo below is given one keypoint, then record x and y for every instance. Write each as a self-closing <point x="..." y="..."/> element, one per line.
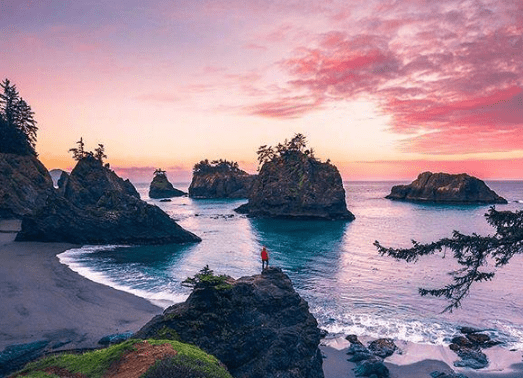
<point x="142" y="357"/>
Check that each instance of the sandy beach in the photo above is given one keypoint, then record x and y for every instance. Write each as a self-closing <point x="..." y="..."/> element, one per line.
<point x="41" y="299"/>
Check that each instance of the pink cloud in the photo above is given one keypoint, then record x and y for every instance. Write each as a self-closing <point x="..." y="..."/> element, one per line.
<point x="454" y="73"/>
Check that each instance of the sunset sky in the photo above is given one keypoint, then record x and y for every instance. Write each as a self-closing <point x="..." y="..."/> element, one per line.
<point x="384" y="88"/>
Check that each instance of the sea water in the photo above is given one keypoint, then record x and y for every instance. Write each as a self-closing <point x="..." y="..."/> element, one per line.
<point x="333" y="265"/>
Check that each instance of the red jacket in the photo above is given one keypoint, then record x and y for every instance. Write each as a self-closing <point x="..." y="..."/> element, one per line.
<point x="264" y="255"/>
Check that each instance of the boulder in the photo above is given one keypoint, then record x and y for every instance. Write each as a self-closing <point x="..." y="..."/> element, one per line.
<point x="220" y="181"/>
<point x="92" y="206"/>
<point x="161" y="188"/>
<point x="446" y="188"/>
<point x="258" y="326"/>
<point x="297" y="185"/>
<point x="383" y="348"/>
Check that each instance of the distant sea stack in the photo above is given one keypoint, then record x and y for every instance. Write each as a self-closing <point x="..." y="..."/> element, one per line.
<point x="92" y="206"/>
<point x="220" y="179"/>
<point x="292" y="183"/>
<point x="446" y="188"/>
<point x="258" y="326"/>
<point x="161" y="187"/>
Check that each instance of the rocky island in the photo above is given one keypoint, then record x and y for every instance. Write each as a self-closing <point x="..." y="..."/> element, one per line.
<point x="220" y="179"/>
<point x="258" y="326"/>
<point x="446" y="188"/>
<point x="292" y="183"/>
<point x="161" y="187"/>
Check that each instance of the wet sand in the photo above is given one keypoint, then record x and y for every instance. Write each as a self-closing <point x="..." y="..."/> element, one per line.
<point x="41" y="299"/>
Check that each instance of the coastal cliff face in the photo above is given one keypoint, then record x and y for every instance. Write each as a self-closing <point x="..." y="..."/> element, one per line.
<point x="219" y="184"/>
<point x="93" y="205"/>
<point x="161" y="188"/>
<point x="25" y="185"/>
<point x="258" y="326"/>
<point x="446" y="188"/>
<point x="297" y="186"/>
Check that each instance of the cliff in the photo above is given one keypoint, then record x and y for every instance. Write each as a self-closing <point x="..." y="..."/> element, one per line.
<point x="446" y="188"/>
<point x="25" y="185"/>
<point x="297" y="186"/>
<point x="92" y="206"/>
<point x="161" y="188"/>
<point x="220" y="182"/>
<point x="258" y="326"/>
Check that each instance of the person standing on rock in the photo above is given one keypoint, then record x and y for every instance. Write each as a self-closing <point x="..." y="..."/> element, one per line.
<point x="265" y="258"/>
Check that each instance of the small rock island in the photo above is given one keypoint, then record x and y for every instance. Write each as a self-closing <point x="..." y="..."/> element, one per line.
<point x="220" y="179"/>
<point x="446" y="188"/>
<point x="161" y="187"/>
<point x="258" y="326"/>
<point x="292" y="183"/>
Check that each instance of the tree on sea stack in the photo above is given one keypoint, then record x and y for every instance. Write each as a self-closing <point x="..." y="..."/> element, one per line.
<point x="472" y="252"/>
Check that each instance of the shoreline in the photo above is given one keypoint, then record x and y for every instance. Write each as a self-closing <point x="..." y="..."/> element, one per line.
<point x="42" y="299"/>
<point x="419" y="360"/>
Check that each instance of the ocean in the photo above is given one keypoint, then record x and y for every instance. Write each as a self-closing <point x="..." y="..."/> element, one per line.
<point x="333" y="265"/>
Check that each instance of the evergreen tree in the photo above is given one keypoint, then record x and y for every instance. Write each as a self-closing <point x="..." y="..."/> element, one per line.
<point x="17" y="124"/>
<point x="79" y="153"/>
<point x="472" y="252"/>
<point x="99" y="153"/>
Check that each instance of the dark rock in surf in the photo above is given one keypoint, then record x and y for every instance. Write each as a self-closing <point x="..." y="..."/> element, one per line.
<point x="160" y="187"/>
<point x="297" y="185"/>
<point x="446" y="188"/>
<point x="220" y="179"/>
<point x="258" y="326"/>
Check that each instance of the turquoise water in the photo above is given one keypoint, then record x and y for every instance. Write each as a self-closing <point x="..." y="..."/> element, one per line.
<point x="333" y="265"/>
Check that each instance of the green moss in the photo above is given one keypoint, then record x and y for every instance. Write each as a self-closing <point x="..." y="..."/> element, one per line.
<point x="167" y="333"/>
<point x="40" y="374"/>
<point x="183" y="366"/>
<point x="94" y="364"/>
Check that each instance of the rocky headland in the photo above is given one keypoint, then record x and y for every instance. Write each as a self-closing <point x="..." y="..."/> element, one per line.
<point x="220" y="179"/>
<point x="258" y="326"/>
<point x="294" y="184"/>
<point x="160" y="187"/>
<point x="92" y="205"/>
<point x="446" y="188"/>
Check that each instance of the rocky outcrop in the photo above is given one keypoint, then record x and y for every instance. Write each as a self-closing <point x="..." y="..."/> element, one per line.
<point x="446" y="188"/>
<point x="369" y="360"/>
<point x="221" y="183"/>
<point x="161" y="188"/>
<point x="93" y="205"/>
<point x="25" y="185"/>
<point x="257" y="326"/>
<point x="297" y="186"/>
<point x="468" y="347"/>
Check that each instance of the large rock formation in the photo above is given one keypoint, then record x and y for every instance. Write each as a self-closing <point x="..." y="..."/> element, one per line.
<point x="296" y="185"/>
<point x="92" y="205"/>
<point x="161" y="187"/>
<point x="25" y="185"/>
<point x="221" y="179"/>
<point x="258" y="326"/>
<point x="446" y="188"/>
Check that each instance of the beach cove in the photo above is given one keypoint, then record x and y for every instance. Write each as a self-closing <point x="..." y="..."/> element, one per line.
<point x="44" y="300"/>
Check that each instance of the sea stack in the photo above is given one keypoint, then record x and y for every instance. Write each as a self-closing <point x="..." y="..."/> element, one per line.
<point x="220" y="179"/>
<point x="292" y="183"/>
<point x="258" y="326"/>
<point x="161" y="187"/>
<point x="446" y="188"/>
<point x="91" y="206"/>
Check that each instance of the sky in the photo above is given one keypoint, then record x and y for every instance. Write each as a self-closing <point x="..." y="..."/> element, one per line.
<point x="385" y="89"/>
